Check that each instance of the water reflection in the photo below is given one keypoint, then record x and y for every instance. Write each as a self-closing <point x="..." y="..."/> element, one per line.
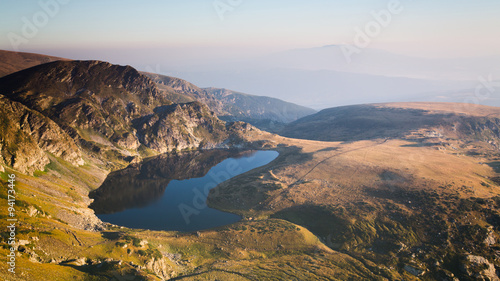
<point x="143" y="183"/>
<point x="169" y="192"/>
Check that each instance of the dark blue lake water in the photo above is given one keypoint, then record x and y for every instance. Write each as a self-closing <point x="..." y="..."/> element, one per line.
<point x="179" y="204"/>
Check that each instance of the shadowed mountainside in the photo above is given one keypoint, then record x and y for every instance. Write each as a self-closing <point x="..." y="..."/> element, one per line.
<point x="112" y="112"/>
<point x="396" y="120"/>
<point x="263" y="112"/>
<point x="245" y="106"/>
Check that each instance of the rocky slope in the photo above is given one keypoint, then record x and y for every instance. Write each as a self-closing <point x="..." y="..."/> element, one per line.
<point x="262" y="112"/>
<point x="182" y="91"/>
<point x="181" y="126"/>
<point x="112" y="112"/>
<point x="26" y="137"/>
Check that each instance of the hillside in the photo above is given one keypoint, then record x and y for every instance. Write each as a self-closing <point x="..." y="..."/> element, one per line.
<point x="112" y="112"/>
<point x="240" y="105"/>
<point x="412" y="188"/>
<point x="180" y="91"/>
<point x="26" y="137"/>
<point x="395" y="120"/>
<point x="263" y="112"/>
<point x="11" y="62"/>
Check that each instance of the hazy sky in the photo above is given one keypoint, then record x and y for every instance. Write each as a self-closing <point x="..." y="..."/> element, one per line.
<point x="131" y="31"/>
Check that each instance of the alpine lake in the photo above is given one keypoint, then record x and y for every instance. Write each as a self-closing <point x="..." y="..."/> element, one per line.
<point x="169" y="192"/>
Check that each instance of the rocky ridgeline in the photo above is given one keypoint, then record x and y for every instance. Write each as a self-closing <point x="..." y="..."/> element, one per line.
<point x="257" y="108"/>
<point x="111" y="112"/>
<point x="234" y="105"/>
<point x="187" y="91"/>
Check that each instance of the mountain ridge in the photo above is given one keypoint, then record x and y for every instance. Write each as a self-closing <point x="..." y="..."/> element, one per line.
<point x="383" y="120"/>
<point x="256" y="110"/>
<point x="260" y="111"/>
<point x="113" y="112"/>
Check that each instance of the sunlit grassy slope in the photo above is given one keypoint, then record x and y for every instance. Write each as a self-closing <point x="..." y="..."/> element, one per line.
<point x="387" y="208"/>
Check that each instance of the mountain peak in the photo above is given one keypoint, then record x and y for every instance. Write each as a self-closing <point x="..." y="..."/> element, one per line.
<point x="99" y="79"/>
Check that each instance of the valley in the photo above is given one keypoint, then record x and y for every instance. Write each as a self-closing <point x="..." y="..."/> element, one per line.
<point x="368" y="192"/>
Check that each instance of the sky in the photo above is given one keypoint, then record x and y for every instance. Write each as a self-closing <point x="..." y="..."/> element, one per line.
<point x="132" y="30"/>
<point x="187" y="36"/>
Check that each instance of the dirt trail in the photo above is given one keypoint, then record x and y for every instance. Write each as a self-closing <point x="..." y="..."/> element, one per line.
<point x="335" y="155"/>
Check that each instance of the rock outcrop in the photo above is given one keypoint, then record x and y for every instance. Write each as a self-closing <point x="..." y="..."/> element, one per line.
<point x="26" y="137"/>
<point x="479" y="268"/>
<point x="181" y="126"/>
<point x="259" y="111"/>
<point x="161" y="267"/>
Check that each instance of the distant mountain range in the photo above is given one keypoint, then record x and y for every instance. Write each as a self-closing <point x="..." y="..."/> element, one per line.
<point x="380" y="62"/>
<point x="328" y="79"/>
<point x="263" y="112"/>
